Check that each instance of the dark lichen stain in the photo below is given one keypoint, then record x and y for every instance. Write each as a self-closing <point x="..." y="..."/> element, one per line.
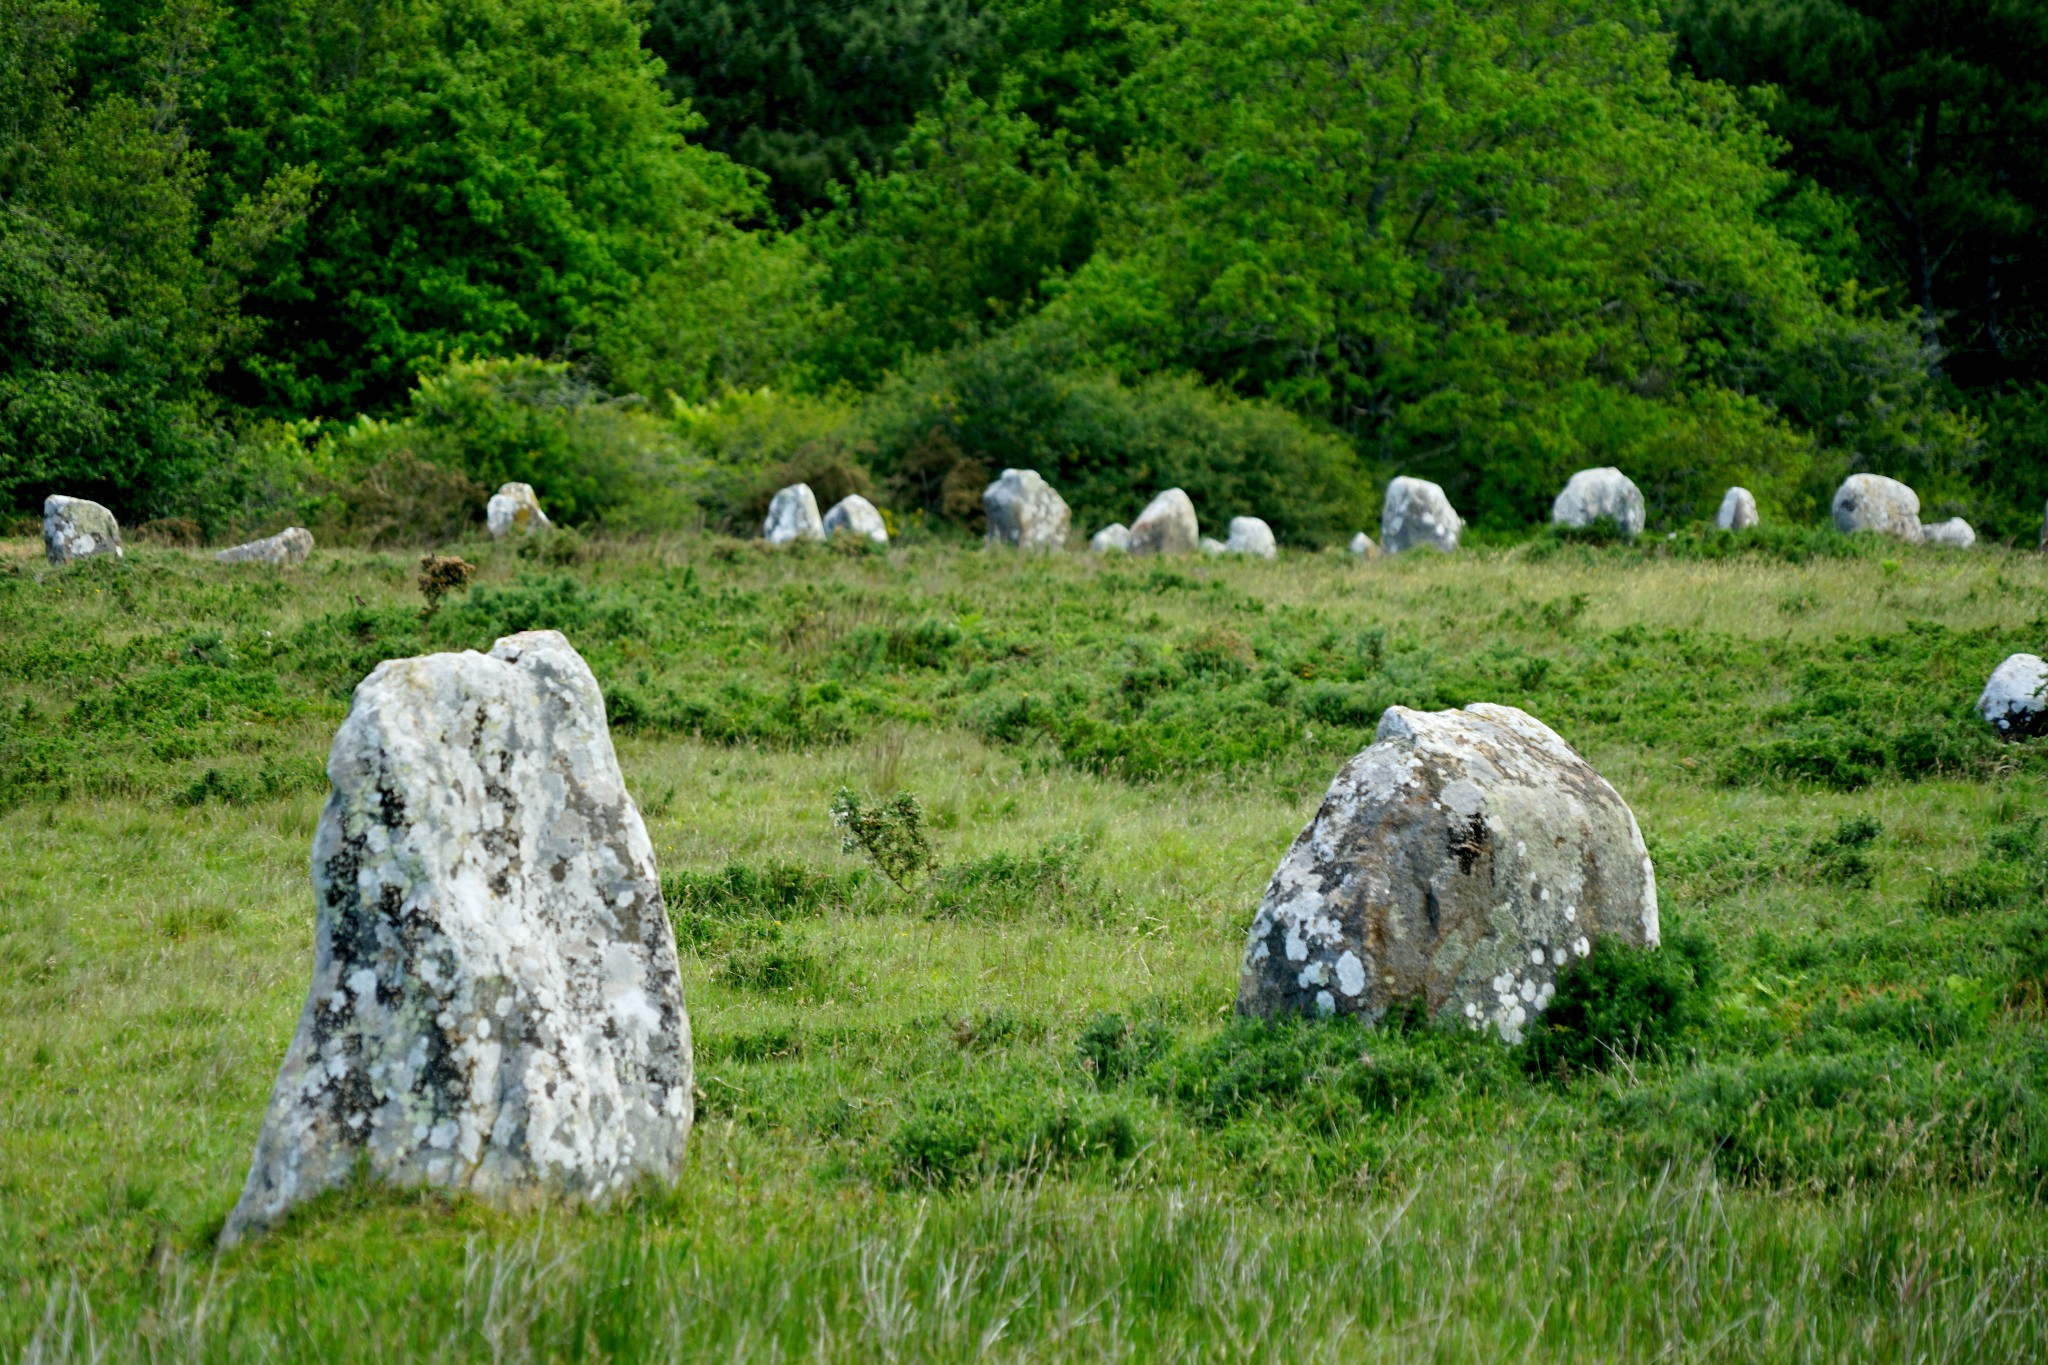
<point x="1468" y="842"/>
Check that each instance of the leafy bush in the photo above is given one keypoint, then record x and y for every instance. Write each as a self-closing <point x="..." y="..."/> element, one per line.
<point x="1621" y="1002"/>
<point x="891" y="833"/>
<point x="1113" y="1051"/>
<point x="1052" y="882"/>
<point x="1004" y="1124"/>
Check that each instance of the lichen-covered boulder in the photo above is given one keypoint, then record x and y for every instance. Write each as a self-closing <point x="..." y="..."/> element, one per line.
<point x="1416" y="515"/>
<point x="2013" y="701"/>
<point x="514" y="507"/>
<point x="292" y="545"/>
<point x="1364" y="546"/>
<point x="1871" y="502"/>
<point x="1025" y="511"/>
<point x="792" y="516"/>
<point x="1738" y="510"/>
<point x="1251" y="536"/>
<point x="1167" y="526"/>
<point x="76" y="528"/>
<point x="1592" y="494"/>
<point x="855" y="515"/>
<point x="1955" y="533"/>
<point x="1463" y="860"/>
<point x="1113" y="539"/>
<point x="495" y="1005"/>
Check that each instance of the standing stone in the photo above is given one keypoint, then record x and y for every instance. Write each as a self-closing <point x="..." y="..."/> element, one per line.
<point x="1463" y="860"/>
<point x="1364" y="546"/>
<point x="1025" y="511"/>
<point x="1955" y="533"/>
<point x="2012" y="702"/>
<point x="1417" y="515"/>
<point x="514" y="508"/>
<point x="1113" y="539"/>
<point x="1167" y="526"/>
<point x="1738" y="510"/>
<point x="74" y="528"/>
<point x="793" y="515"/>
<point x="495" y="1006"/>
<point x="855" y="515"/>
<point x="1871" y="502"/>
<point x="1212" y="546"/>
<point x="1592" y="494"/>
<point x="1251" y="536"/>
<point x="292" y="545"/>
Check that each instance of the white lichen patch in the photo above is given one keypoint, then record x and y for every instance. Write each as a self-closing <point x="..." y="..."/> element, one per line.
<point x="495" y="1004"/>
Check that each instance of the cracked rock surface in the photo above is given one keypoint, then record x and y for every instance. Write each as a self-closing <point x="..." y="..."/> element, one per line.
<point x="1464" y="859"/>
<point x="1738" y="510"/>
<point x="495" y="1005"/>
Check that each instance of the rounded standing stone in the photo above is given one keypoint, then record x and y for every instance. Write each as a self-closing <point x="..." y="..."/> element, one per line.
<point x="1113" y="539"/>
<point x="1592" y="494"/>
<point x="514" y="507"/>
<point x="1416" y="515"/>
<point x="1251" y="536"/>
<point x="1167" y="526"/>
<point x="495" y="1005"/>
<point x="1738" y="510"/>
<point x="2012" y="702"/>
<point x="1463" y="861"/>
<point x="1871" y="502"/>
<point x="792" y="516"/>
<point x="1026" y="512"/>
<point x="1364" y="546"/>
<point x="78" y="528"/>
<point x="1955" y="533"/>
<point x="855" y="515"/>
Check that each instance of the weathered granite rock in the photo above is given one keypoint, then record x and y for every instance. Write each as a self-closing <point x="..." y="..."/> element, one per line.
<point x="1463" y="860"/>
<point x="1592" y="494"/>
<point x="514" y="508"/>
<point x="1364" y="546"/>
<point x="75" y="528"/>
<point x="2013" y="701"/>
<point x="495" y="1005"/>
<point x="1955" y="533"/>
<point x="1211" y="546"/>
<point x="1871" y="502"/>
<point x="1251" y="536"/>
<point x="1167" y="526"/>
<point x="1026" y="511"/>
<point x="793" y="515"/>
<point x="855" y="515"/>
<point x="292" y="545"/>
<point x="1738" y="510"/>
<point x="1417" y="515"/>
<point x="1114" y="538"/>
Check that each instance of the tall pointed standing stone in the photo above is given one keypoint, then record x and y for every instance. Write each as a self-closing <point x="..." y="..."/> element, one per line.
<point x="495" y="1005"/>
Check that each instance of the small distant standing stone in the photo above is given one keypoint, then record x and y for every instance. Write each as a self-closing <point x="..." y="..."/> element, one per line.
<point x="495" y="1005"/>
<point x="793" y="515"/>
<point x="1955" y="533"/>
<point x="76" y="528"/>
<point x="292" y="545"/>
<point x="2012" y="702"/>
<point x="1113" y="539"/>
<point x="1167" y="526"/>
<point x="1364" y="546"/>
<point x="1592" y="494"/>
<point x="1212" y="546"/>
<point x="1463" y="861"/>
<point x="1025" y="511"/>
<point x="855" y="515"/>
<point x="514" y="507"/>
<point x="1738" y="510"/>
<point x="1251" y="536"/>
<point x="1417" y="515"/>
<point x="1871" y="502"/>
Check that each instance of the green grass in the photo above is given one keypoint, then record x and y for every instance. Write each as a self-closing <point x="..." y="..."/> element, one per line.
<point x="1006" y="1111"/>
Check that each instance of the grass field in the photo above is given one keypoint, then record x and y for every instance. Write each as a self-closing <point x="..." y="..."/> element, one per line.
<point x="1009" y="1113"/>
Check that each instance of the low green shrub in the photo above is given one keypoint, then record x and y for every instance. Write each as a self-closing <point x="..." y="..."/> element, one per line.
<point x="1621" y="1002"/>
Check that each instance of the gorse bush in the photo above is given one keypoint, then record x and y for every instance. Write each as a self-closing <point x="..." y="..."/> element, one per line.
<point x="891" y="833"/>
